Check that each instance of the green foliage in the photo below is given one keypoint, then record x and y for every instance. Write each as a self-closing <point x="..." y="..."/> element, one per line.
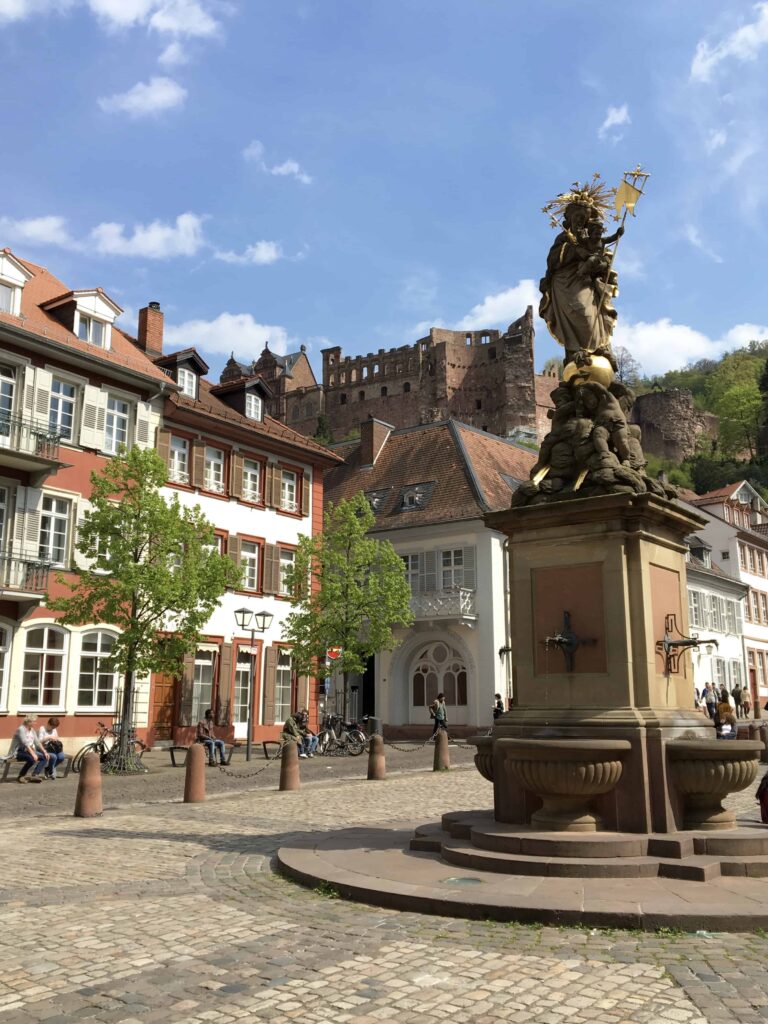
<point x="153" y="566"/>
<point x="358" y="591"/>
<point x="734" y="396"/>
<point x="323" y="432"/>
<point x="678" y="474"/>
<point x="553" y="363"/>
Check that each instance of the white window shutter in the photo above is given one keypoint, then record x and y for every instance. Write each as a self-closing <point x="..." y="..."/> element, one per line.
<point x="470" y="571"/>
<point x="32" y="519"/>
<point x="19" y="519"/>
<point x="92" y="424"/>
<point x="145" y="427"/>
<point x="43" y="385"/>
<point x="29" y="393"/>
<point x="428" y="570"/>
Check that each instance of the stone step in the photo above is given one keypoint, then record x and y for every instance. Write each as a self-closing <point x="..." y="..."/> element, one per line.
<point x="563" y="844"/>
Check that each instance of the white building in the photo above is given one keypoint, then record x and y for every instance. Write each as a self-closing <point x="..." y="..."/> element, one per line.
<point x="429" y="487"/>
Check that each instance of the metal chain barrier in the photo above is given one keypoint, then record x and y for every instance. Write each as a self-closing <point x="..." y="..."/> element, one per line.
<point x="406" y="750"/>
<point x="251" y="775"/>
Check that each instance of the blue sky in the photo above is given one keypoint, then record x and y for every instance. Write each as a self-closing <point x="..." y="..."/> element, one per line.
<point x="351" y="171"/>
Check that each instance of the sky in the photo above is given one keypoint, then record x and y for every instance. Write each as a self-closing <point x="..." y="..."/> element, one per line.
<point x="352" y="172"/>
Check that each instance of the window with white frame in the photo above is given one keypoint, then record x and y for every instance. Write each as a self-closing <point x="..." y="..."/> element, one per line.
<point x="61" y="414"/>
<point x="243" y="676"/>
<point x="91" y="330"/>
<point x="721" y="673"/>
<point x="452" y="568"/>
<point x="178" y="468"/>
<point x="283" y="677"/>
<point x="43" y="672"/>
<point x="97" y="681"/>
<point x="202" y="685"/>
<point x="286" y="564"/>
<point x="696" y="612"/>
<point x="249" y="562"/>
<point x="251" y="480"/>
<point x="716" y="613"/>
<point x="736" y="674"/>
<point x="289" y="489"/>
<point x="5" y="658"/>
<point x="54" y="530"/>
<point x="214" y="470"/>
<point x="7" y="297"/>
<point x="755" y="606"/>
<point x="7" y="390"/>
<point x="411" y="563"/>
<point x="187" y="381"/>
<point x="254" y="406"/>
<point x="760" y="669"/>
<point x="117" y="424"/>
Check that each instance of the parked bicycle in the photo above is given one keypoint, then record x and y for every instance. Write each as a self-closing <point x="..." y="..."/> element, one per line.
<point x="107" y="738"/>
<point x="339" y="737"/>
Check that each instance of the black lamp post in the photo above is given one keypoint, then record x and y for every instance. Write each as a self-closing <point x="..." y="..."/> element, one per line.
<point x="260" y="622"/>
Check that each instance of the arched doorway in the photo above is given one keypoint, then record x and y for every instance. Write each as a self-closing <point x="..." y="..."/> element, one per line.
<point x="438" y="667"/>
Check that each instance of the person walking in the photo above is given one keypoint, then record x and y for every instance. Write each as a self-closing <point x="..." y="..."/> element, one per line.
<point x="736" y="694"/>
<point x="746" y="701"/>
<point x="438" y="714"/>
<point x="710" y="700"/>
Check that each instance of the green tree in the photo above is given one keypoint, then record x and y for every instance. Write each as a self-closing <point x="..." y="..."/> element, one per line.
<point x="553" y="364"/>
<point x="323" y="433"/>
<point x="734" y="396"/>
<point x="154" y="574"/>
<point x="628" y="370"/>
<point x="350" y="590"/>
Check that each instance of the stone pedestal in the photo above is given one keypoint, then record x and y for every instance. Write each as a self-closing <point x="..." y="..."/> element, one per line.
<point x="616" y="565"/>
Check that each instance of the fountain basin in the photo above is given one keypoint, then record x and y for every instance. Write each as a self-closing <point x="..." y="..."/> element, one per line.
<point x="566" y="774"/>
<point x="705" y="771"/>
<point x="484" y="755"/>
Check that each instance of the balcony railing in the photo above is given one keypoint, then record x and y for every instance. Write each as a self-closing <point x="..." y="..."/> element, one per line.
<point x="444" y="604"/>
<point x="25" y="437"/>
<point x="24" y="573"/>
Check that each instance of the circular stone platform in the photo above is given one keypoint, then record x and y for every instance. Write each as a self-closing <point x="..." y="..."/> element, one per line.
<point x="469" y="865"/>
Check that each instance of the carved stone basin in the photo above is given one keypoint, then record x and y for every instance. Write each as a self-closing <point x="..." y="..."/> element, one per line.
<point x="706" y="771"/>
<point x="566" y="774"/>
<point x="484" y="755"/>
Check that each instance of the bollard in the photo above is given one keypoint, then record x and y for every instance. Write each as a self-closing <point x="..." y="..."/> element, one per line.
<point x="442" y="760"/>
<point x="194" y="777"/>
<point x="289" y="768"/>
<point x="376" y="764"/>
<point x="88" y="803"/>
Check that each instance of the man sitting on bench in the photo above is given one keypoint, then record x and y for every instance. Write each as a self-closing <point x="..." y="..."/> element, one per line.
<point x="205" y="735"/>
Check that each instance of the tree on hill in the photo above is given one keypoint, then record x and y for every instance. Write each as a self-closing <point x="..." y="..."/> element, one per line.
<point x="734" y="396"/>
<point x="628" y="370"/>
<point x="349" y="592"/>
<point x="154" y="574"/>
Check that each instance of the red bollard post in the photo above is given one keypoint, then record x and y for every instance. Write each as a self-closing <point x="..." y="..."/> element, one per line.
<point x="376" y="764"/>
<point x="194" y="777"/>
<point x="442" y="761"/>
<point x="290" y="778"/>
<point x="88" y="803"/>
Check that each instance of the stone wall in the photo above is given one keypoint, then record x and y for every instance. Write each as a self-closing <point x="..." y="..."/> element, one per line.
<point x="672" y="428"/>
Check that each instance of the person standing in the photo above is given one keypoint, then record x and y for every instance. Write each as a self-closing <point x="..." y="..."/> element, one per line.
<point x="438" y="713"/>
<point x="736" y="694"/>
<point x="746" y="701"/>
<point x="710" y="700"/>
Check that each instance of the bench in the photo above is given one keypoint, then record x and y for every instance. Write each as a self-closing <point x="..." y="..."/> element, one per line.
<point x="8" y="762"/>
<point x="178" y="748"/>
<point x="271" y="749"/>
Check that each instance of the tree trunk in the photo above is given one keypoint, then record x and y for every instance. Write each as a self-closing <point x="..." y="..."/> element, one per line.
<point x="345" y="677"/>
<point x="122" y="759"/>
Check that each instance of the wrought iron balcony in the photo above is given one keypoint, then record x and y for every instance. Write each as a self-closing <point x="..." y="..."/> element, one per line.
<point x="28" y="445"/>
<point x="445" y="604"/>
<point x="22" y="577"/>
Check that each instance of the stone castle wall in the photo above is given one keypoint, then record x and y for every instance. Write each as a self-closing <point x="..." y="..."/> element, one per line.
<point x="672" y="428"/>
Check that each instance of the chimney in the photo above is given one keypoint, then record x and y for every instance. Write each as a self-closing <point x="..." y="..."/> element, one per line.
<point x="373" y="437"/>
<point x="150" y="339"/>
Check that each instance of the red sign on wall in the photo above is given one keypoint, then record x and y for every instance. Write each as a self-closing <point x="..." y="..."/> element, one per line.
<point x="334" y="652"/>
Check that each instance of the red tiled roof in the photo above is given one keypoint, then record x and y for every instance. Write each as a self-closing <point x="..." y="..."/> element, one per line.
<point x="465" y="465"/>
<point x="41" y="288"/>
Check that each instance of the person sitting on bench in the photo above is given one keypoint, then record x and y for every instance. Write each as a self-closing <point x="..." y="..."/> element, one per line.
<point x="205" y="735"/>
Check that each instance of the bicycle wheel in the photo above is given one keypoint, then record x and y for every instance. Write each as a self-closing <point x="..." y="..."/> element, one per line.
<point x="355" y="743"/>
<point x="322" y="742"/>
<point x="89" y="748"/>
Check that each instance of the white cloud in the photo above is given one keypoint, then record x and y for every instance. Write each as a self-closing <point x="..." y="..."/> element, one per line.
<point x="717" y="137"/>
<point x="419" y="289"/>
<point x="502" y="308"/>
<point x="663" y="345"/>
<point x="146" y="99"/>
<point x="744" y="44"/>
<point x="173" y="55"/>
<point x="615" y="117"/>
<point x="50" y="230"/>
<point x="116" y="14"/>
<point x="254" y="154"/>
<point x="17" y="10"/>
<point x="173" y="17"/>
<point x="260" y="254"/>
<point x="183" y="18"/>
<point x="693" y="236"/>
<point x="228" y="332"/>
<point x="155" y="241"/>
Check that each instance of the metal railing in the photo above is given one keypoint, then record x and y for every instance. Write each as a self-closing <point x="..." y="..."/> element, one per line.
<point x="28" y="438"/>
<point x="24" y="572"/>
<point x="437" y="604"/>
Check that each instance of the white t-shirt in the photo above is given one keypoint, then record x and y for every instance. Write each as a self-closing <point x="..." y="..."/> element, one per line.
<point x="45" y="735"/>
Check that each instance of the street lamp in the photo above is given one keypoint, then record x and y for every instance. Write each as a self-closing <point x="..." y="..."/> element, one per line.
<point x="261" y="623"/>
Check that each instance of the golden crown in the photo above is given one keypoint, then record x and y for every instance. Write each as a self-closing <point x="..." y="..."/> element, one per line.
<point x="594" y="194"/>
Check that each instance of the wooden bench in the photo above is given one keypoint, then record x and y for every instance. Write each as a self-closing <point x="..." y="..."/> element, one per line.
<point x="179" y="747"/>
<point x="271" y="749"/>
<point x="8" y="762"/>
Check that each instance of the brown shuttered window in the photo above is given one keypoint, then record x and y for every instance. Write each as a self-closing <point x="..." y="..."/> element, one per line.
<point x="164" y="445"/>
<point x="224" y="696"/>
<point x="271" y="476"/>
<point x="270" y="667"/>
<point x="236" y="475"/>
<point x="187" y="689"/>
<point x="271" y="569"/>
<point x="306" y="487"/>
<point x="198" y="464"/>
<point x="233" y="548"/>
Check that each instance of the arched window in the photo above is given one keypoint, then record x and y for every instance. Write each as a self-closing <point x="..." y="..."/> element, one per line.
<point x="406" y="387"/>
<point x="5" y="657"/>
<point x="361" y="396"/>
<point x="43" y="675"/>
<point x="384" y="391"/>
<point x="97" y="681"/>
<point x="439" y="669"/>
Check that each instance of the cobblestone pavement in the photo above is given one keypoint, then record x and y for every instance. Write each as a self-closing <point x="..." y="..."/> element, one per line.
<point x="172" y="913"/>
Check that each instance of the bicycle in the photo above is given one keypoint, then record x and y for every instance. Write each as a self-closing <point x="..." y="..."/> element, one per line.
<point x="349" y="740"/>
<point x="107" y="738"/>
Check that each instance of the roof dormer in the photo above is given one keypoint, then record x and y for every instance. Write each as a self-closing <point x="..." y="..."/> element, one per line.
<point x="186" y="368"/>
<point x="248" y="396"/>
<point x="13" y="276"/>
<point x="88" y="313"/>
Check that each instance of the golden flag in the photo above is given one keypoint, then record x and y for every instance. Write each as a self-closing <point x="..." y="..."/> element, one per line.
<point x="627" y="195"/>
